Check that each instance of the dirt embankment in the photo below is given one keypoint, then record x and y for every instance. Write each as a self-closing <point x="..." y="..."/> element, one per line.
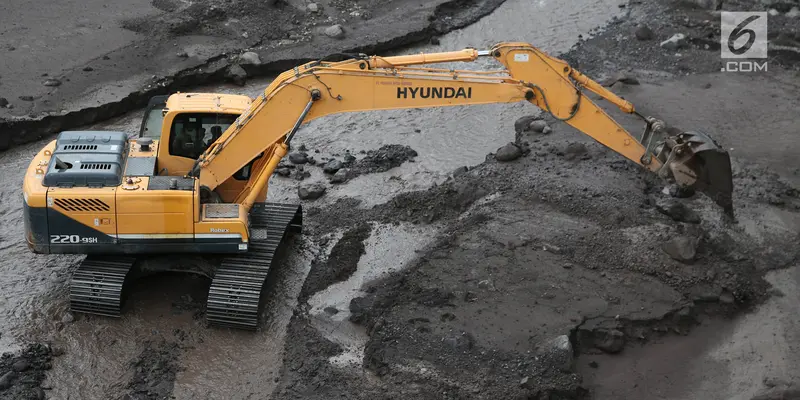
<point x="179" y="45"/>
<point x="557" y="248"/>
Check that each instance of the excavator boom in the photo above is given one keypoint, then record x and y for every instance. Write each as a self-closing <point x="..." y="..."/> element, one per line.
<point x="317" y="89"/>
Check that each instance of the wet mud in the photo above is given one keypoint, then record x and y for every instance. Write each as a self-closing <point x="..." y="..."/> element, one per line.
<point x="175" y="46"/>
<point x="469" y="273"/>
<point x="22" y="374"/>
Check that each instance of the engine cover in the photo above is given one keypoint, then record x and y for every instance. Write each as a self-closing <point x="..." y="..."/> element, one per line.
<point x="87" y="159"/>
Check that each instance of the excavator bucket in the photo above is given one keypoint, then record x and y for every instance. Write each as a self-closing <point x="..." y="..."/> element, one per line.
<point x="694" y="160"/>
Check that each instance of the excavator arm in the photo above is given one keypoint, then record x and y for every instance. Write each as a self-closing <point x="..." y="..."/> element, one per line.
<point x="362" y="83"/>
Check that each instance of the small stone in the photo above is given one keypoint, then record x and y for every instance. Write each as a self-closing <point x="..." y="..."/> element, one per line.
<point x="311" y="192"/>
<point x="680" y="192"/>
<point x="52" y="82"/>
<point x="249" y="58"/>
<point x="681" y="248"/>
<point x="237" y="74"/>
<point x="575" y="150"/>
<point x="727" y="297"/>
<point x="485" y="284"/>
<point x="447" y="317"/>
<point x="313" y="7"/>
<point x="20" y="366"/>
<point x="300" y="174"/>
<point x="551" y="248"/>
<point x="567" y="266"/>
<point x="677" y="211"/>
<point x="594" y="364"/>
<point x="524" y="382"/>
<point x="340" y="176"/>
<point x="558" y="351"/>
<point x="684" y="316"/>
<point x="522" y="124"/>
<point x="283" y="171"/>
<point x="547" y="130"/>
<point x="470" y="297"/>
<point x="183" y="54"/>
<point x="610" y="341"/>
<point x="509" y="152"/>
<point x="460" y="171"/>
<point x="331" y="310"/>
<point x="538" y="126"/>
<point x="335" y="31"/>
<point x="68" y="318"/>
<point x="298" y="158"/>
<point x="332" y="166"/>
<point x="7" y="380"/>
<point x="88" y="69"/>
<point x="643" y="32"/>
<point x="675" y="42"/>
<point x="463" y="341"/>
<point x="793" y="13"/>
<point x="26" y="98"/>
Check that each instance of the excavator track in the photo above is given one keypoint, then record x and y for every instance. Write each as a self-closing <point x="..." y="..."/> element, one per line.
<point x="97" y="284"/>
<point x="235" y="292"/>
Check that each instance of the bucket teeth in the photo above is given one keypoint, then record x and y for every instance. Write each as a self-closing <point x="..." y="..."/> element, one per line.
<point x="696" y="161"/>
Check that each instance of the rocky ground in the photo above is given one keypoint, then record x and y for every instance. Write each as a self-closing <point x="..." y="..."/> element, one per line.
<point x="540" y="273"/>
<point x="538" y="270"/>
<point x="88" y="67"/>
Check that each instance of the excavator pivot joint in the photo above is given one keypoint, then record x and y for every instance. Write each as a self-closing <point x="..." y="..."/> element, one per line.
<point x="529" y="95"/>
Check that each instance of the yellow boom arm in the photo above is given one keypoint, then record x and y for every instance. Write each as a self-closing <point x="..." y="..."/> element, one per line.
<point x="365" y="83"/>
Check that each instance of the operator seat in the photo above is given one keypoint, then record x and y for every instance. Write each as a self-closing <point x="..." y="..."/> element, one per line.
<point x="216" y="132"/>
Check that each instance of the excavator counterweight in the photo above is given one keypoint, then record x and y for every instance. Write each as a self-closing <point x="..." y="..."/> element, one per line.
<point x="195" y="181"/>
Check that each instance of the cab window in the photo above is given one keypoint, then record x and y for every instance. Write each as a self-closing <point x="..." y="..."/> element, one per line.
<point x="191" y="134"/>
<point x="152" y="124"/>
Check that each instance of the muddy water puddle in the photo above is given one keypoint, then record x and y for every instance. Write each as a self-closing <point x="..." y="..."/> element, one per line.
<point x="720" y="360"/>
<point x="224" y="364"/>
<point x="389" y="249"/>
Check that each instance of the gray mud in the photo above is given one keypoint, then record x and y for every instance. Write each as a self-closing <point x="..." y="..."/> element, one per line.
<point x="529" y="250"/>
<point x="123" y="55"/>
<point x="155" y="372"/>
<point x="22" y="374"/>
<point x="459" y="275"/>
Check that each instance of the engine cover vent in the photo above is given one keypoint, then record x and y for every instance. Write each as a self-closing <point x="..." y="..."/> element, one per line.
<point x="75" y="204"/>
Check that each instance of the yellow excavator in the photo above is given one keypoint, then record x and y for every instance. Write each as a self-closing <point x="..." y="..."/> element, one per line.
<point x="195" y="179"/>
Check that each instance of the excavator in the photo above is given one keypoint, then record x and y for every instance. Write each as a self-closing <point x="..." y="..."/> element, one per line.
<point x="195" y="180"/>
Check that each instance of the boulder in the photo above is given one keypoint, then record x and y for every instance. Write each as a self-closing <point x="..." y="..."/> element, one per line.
<point x="311" y="192"/>
<point x="334" y="31"/>
<point x="509" y="152"/>
<point x="682" y="248"/>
